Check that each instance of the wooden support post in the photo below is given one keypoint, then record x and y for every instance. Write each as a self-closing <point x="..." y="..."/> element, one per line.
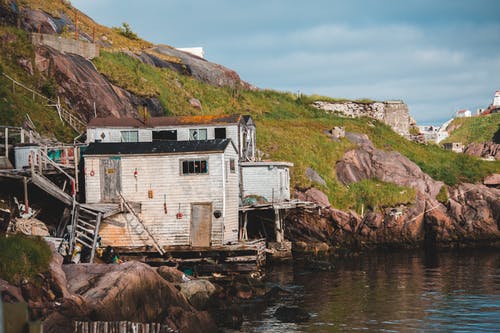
<point x="25" y="188"/>
<point x="39" y="161"/>
<point x="76" y="159"/>
<point x="245" y="224"/>
<point x="278" y="227"/>
<point x="22" y="135"/>
<point x="96" y="236"/>
<point x="6" y="133"/>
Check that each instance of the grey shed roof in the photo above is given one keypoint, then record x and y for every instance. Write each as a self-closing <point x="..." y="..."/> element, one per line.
<point x="157" y="147"/>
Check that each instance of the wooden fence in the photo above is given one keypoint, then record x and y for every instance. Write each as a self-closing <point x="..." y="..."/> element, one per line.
<point x="119" y="327"/>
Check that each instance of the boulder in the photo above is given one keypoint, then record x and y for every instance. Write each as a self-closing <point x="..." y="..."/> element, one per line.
<point x="291" y="314"/>
<point x="317" y="196"/>
<point x="492" y="180"/>
<point x="195" y="103"/>
<point x="133" y="291"/>
<point x="197" y="292"/>
<point x="314" y="177"/>
<point x="171" y="274"/>
<point x="367" y="162"/>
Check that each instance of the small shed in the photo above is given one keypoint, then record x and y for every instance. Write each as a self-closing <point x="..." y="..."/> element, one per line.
<point x="456" y="147"/>
<point x="270" y="180"/>
<point x="183" y="192"/>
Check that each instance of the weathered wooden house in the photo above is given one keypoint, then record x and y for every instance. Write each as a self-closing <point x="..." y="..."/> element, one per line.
<point x="240" y="129"/>
<point x="177" y="193"/>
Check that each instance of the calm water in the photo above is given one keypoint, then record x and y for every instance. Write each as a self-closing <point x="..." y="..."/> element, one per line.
<point x="409" y="292"/>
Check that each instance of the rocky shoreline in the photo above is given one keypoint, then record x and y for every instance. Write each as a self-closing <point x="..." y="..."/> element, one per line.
<point x="465" y="214"/>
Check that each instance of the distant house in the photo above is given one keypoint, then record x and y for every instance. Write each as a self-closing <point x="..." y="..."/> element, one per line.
<point x="496" y="99"/>
<point x="196" y="51"/>
<point x="270" y="180"/>
<point x="456" y="147"/>
<point x="240" y="129"/>
<point x="184" y="192"/>
<point x="463" y="114"/>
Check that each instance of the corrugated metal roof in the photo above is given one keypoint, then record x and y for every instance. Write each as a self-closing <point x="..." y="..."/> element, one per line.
<point x="165" y="121"/>
<point x="157" y="147"/>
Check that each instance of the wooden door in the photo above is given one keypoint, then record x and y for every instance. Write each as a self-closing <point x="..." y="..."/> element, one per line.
<point x="201" y="224"/>
<point x="110" y="179"/>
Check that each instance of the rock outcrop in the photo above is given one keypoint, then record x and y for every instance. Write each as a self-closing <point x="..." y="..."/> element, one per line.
<point x="472" y="212"/>
<point x="86" y="90"/>
<point x="393" y="113"/>
<point x="367" y="162"/>
<point x="203" y="70"/>
<point x="484" y="150"/>
<point x="131" y="291"/>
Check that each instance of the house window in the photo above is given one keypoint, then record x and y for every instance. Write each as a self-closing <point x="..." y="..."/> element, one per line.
<point x="232" y="165"/>
<point x="169" y="135"/>
<point x="130" y="136"/>
<point x="194" y="167"/>
<point x="198" y="134"/>
<point x="220" y="133"/>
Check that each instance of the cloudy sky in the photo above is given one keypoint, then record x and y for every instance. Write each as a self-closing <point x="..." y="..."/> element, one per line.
<point x="438" y="56"/>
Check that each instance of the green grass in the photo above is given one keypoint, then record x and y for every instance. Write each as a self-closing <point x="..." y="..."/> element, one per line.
<point x="288" y="128"/>
<point x="16" y="103"/>
<point x="474" y="129"/>
<point x="374" y="194"/>
<point x="23" y="257"/>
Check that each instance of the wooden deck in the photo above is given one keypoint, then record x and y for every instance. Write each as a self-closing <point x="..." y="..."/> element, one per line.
<point x="279" y="205"/>
<point x="243" y="257"/>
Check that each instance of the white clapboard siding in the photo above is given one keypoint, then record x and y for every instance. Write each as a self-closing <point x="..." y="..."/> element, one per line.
<point x="269" y="180"/>
<point x="232" y="198"/>
<point x="113" y="134"/>
<point x="161" y="174"/>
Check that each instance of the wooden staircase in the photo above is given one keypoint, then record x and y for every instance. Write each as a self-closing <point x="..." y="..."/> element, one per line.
<point x="85" y="228"/>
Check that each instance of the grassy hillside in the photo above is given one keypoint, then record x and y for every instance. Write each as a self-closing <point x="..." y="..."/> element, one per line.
<point x="474" y="129"/>
<point x="111" y="36"/>
<point x="289" y="129"/>
<point x="16" y="103"/>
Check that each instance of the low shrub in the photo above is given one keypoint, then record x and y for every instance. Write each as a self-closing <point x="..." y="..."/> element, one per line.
<point x="23" y="257"/>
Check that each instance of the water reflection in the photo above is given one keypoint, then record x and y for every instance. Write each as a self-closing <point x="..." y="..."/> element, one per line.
<point x="404" y="292"/>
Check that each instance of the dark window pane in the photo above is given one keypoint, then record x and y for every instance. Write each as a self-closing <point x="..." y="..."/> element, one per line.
<point x="169" y="135"/>
<point x="204" y="168"/>
<point x="220" y="133"/>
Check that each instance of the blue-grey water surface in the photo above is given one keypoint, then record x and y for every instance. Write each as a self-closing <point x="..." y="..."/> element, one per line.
<point x="452" y="291"/>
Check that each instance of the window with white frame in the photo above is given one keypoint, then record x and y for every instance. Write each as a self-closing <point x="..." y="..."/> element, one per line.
<point x="130" y="136"/>
<point x="198" y="134"/>
<point x="193" y="167"/>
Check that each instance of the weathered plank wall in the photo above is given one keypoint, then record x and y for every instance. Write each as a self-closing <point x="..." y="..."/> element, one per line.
<point x="268" y="181"/>
<point x="161" y="176"/>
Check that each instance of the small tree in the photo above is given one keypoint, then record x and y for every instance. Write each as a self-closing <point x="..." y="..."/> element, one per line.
<point x="126" y="31"/>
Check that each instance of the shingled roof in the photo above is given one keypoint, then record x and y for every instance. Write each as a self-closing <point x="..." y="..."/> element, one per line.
<point x="165" y="121"/>
<point x="157" y="147"/>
